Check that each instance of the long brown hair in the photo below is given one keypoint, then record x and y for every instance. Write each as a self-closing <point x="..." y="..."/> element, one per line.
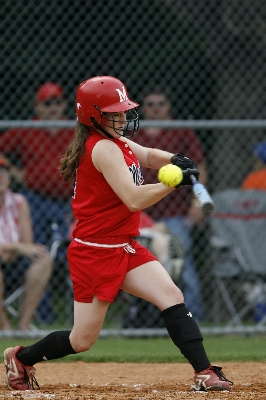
<point x="70" y="160"/>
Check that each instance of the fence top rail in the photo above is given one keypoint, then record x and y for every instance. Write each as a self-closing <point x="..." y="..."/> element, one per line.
<point x="194" y="124"/>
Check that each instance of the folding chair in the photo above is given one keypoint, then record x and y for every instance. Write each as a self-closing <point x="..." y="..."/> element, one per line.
<point x="239" y="255"/>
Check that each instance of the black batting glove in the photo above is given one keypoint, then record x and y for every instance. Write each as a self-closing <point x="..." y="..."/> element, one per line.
<point x="182" y="162"/>
<point x="186" y="181"/>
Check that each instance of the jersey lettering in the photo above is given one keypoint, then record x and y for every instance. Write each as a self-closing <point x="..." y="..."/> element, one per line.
<point x="137" y="174"/>
<point x="74" y="187"/>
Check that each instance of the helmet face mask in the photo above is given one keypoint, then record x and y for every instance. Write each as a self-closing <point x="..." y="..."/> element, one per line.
<point x="131" y="122"/>
<point x="98" y="100"/>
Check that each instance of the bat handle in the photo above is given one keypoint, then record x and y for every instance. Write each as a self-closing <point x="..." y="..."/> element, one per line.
<point x="202" y="195"/>
<point x="193" y="179"/>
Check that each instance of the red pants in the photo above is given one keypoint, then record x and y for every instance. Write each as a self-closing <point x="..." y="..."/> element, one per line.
<point x="100" y="271"/>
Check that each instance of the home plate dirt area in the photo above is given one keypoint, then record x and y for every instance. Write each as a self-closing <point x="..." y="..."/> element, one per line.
<point x="130" y="381"/>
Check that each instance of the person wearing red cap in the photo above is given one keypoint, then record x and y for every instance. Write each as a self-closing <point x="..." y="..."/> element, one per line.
<point x="39" y="151"/>
<point x="49" y="90"/>
<point x="21" y="260"/>
<point x="50" y="102"/>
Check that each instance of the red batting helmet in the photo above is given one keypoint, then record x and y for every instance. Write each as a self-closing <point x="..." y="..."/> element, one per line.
<point x="101" y="95"/>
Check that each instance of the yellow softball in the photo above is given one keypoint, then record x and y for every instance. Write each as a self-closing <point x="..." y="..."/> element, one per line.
<point x="170" y="175"/>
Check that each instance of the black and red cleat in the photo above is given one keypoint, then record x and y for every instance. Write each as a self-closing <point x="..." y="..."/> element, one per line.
<point x="18" y="376"/>
<point x="211" y="378"/>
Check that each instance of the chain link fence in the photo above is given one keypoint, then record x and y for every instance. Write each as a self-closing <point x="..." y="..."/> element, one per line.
<point x="210" y="59"/>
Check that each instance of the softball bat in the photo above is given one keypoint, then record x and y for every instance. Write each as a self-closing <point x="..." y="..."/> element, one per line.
<point x="202" y="195"/>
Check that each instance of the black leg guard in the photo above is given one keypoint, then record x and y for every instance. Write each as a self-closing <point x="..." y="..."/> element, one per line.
<point x="186" y="335"/>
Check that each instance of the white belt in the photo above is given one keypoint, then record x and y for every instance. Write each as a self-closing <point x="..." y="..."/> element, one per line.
<point x="127" y="247"/>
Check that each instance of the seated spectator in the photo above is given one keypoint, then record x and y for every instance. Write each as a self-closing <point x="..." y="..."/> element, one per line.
<point x="34" y="154"/>
<point x="20" y="259"/>
<point x="256" y="180"/>
<point x="179" y="211"/>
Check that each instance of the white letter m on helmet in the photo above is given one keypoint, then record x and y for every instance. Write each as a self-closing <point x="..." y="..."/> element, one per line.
<point x="122" y="95"/>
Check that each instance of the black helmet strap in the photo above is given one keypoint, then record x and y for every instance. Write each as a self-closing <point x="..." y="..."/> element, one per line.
<point x="100" y="128"/>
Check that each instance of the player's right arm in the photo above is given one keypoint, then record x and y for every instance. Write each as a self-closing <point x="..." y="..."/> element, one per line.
<point x="109" y="160"/>
<point x="149" y="157"/>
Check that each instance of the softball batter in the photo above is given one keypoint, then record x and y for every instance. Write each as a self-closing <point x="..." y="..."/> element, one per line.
<point x="104" y="257"/>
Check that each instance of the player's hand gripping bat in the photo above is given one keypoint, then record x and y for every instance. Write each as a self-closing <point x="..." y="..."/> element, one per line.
<point x="202" y="195"/>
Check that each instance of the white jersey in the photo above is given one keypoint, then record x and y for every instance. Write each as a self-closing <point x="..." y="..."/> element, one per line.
<point x="10" y="230"/>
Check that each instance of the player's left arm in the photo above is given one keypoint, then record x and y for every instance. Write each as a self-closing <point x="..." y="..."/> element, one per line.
<point x="203" y="173"/>
<point x="149" y="157"/>
<point x="196" y="215"/>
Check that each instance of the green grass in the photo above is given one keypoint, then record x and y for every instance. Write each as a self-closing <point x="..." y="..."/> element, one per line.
<point x="162" y="350"/>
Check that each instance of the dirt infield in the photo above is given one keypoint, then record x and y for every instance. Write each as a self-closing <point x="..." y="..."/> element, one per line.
<point x="115" y="381"/>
